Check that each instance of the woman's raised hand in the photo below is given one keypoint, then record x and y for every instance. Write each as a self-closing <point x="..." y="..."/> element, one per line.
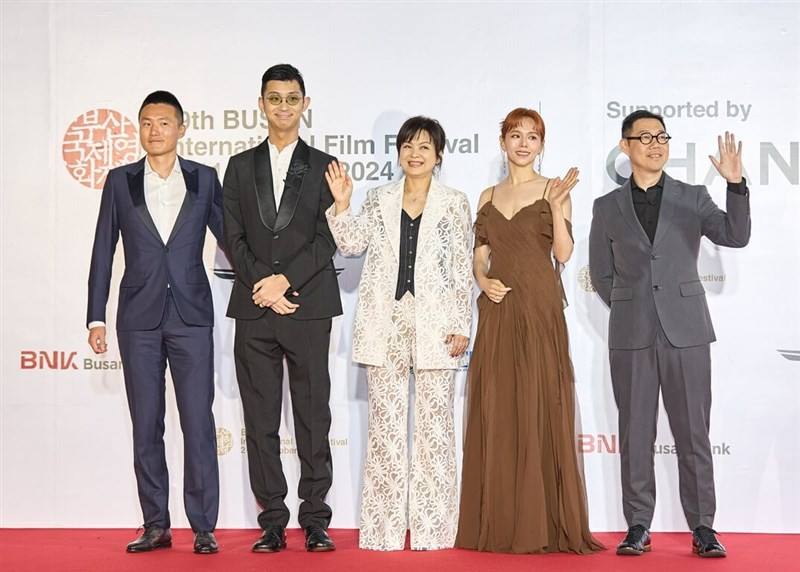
<point x="560" y="188"/>
<point x="341" y="185"/>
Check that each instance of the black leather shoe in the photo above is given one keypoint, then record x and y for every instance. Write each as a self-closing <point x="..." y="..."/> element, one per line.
<point x="636" y="542"/>
<point x="705" y="543"/>
<point x="153" y="537"/>
<point x="272" y="539"/>
<point x="205" y="543"/>
<point x="317" y="540"/>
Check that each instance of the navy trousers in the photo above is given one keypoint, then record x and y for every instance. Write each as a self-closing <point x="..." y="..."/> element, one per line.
<point x="189" y="350"/>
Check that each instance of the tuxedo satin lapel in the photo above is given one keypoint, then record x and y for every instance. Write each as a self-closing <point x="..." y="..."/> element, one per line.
<point x="669" y="197"/>
<point x="265" y="193"/>
<point x="435" y="209"/>
<point x="625" y="204"/>
<point x="391" y="204"/>
<point x="293" y="186"/>
<point x="136" y="189"/>
<point x="190" y="177"/>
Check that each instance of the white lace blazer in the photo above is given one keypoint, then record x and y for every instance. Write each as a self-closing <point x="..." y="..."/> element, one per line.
<point x="442" y="273"/>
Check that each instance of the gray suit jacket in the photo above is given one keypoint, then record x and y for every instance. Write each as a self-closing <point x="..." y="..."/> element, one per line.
<point x="643" y="283"/>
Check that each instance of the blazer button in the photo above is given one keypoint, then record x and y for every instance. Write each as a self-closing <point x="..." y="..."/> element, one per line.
<point x="275" y="237"/>
<point x="276" y="262"/>
<point x="653" y="257"/>
<point x="656" y="287"/>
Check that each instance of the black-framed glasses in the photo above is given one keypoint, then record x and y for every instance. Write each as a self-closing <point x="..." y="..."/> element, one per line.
<point x="647" y="138"/>
<point x="291" y="100"/>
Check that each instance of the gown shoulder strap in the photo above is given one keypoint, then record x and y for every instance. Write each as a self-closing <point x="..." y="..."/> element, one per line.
<point x="546" y="188"/>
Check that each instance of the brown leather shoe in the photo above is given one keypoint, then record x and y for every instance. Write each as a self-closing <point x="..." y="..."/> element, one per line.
<point x="273" y="539"/>
<point x="153" y="537"/>
<point x="705" y="543"/>
<point x="636" y="542"/>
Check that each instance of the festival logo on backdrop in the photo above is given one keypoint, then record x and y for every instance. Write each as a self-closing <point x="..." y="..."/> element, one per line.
<point x="96" y="142"/>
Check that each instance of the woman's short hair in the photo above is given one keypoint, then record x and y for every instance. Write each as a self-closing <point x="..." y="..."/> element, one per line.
<point x="414" y="125"/>
<point x="517" y="116"/>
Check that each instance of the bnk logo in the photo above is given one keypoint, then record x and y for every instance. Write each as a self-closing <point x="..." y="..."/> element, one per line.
<point x="29" y="359"/>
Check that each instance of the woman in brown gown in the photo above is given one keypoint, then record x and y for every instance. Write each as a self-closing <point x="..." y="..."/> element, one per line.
<point x="522" y="489"/>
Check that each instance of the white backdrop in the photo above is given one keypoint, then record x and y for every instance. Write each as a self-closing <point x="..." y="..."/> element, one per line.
<point x="74" y="75"/>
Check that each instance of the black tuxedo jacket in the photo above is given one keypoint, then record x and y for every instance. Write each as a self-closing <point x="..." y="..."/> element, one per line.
<point x="292" y="238"/>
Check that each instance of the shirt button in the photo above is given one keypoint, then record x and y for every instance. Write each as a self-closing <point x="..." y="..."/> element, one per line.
<point x="412" y="225"/>
<point x="653" y="257"/>
<point x="409" y="266"/>
<point x="411" y="252"/>
<point x="656" y="287"/>
<point x="408" y="281"/>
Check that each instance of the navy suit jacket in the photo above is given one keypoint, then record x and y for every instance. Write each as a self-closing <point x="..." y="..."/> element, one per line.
<point x="150" y="264"/>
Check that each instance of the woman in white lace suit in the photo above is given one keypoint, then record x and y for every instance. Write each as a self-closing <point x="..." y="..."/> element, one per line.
<point x="414" y="311"/>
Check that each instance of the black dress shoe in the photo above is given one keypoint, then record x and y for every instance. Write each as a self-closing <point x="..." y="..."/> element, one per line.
<point x="272" y="539"/>
<point x="705" y="543"/>
<point x="153" y="537"/>
<point x="205" y="543"/>
<point x="636" y="542"/>
<point x="317" y="540"/>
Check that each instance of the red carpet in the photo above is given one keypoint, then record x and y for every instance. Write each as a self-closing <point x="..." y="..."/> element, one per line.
<point x="88" y="550"/>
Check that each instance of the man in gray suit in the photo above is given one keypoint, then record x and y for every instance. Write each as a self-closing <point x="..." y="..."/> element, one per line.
<point x="643" y="249"/>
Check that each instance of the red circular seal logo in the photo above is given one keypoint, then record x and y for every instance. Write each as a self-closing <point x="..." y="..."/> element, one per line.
<point x="96" y="142"/>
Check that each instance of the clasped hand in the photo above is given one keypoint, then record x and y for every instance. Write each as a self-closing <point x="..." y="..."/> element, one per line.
<point x="270" y="292"/>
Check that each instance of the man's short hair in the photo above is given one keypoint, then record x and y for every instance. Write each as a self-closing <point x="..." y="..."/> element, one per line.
<point x="164" y="97"/>
<point x="627" y="123"/>
<point x="414" y="125"/>
<point x="283" y="72"/>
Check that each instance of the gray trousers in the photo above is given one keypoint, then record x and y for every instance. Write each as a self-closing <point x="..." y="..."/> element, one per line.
<point x="684" y="377"/>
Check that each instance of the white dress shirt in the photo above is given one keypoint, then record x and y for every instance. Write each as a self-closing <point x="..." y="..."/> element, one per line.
<point x="279" y="161"/>
<point x="164" y="198"/>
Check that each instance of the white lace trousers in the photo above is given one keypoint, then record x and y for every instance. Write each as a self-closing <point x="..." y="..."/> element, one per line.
<point x="394" y="499"/>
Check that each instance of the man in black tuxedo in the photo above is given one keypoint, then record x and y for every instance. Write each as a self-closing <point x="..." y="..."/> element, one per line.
<point x="161" y="205"/>
<point x="284" y="297"/>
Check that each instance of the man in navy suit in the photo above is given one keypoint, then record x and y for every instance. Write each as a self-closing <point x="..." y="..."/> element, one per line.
<point x="161" y="205"/>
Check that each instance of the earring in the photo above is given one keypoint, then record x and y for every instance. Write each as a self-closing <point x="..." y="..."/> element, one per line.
<point x="539" y="169"/>
<point x="505" y="166"/>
